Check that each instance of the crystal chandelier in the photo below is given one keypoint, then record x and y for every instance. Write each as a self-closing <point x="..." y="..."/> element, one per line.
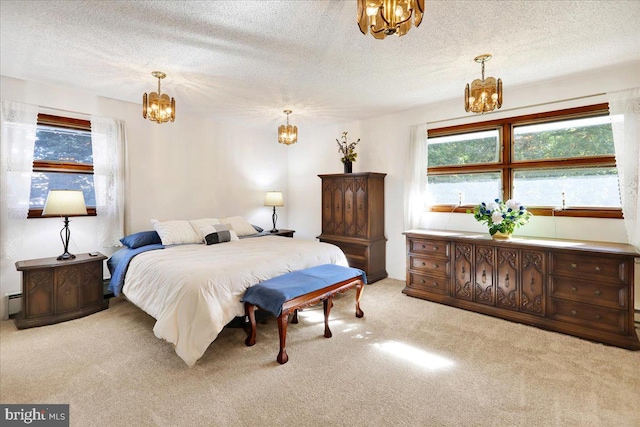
<point x="287" y="134"/>
<point x="486" y="94"/>
<point x="157" y="107"/>
<point x="387" y="17"/>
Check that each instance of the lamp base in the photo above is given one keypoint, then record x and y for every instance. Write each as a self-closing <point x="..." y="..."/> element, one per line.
<point x="66" y="256"/>
<point x="274" y="231"/>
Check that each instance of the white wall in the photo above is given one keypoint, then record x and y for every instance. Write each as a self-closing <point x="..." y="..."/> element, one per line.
<point x="384" y="148"/>
<point x="192" y="168"/>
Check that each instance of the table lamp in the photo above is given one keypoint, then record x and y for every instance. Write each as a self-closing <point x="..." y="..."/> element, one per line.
<point x="65" y="203"/>
<point x="274" y="198"/>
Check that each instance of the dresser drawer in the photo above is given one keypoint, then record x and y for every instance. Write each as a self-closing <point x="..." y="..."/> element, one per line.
<point x="590" y="267"/>
<point x="598" y="293"/>
<point x="434" y="247"/>
<point x="588" y="315"/>
<point x="434" y="284"/>
<point x="429" y="265"/>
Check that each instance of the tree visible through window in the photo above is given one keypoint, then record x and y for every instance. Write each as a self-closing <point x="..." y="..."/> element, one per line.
<point x="63" y="160"/>
<point x="556" y="163"/>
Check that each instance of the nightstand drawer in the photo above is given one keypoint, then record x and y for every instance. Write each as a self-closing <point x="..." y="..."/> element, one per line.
<point x="429" y="265"/>
<point x="588" y="315"/>
<point x="423" y="246"/>
<point x="589" y="267"/>
<point x="597" y="293"/>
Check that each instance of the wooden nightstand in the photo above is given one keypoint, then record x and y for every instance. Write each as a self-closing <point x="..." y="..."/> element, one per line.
<point x="54" y="291"/>
<point x="281" y="232"/>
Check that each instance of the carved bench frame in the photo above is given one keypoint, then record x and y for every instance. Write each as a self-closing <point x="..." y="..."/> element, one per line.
<point x="303" y="301"/>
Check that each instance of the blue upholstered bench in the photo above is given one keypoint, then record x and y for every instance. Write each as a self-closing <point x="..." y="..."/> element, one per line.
<point x="286" y="294"/>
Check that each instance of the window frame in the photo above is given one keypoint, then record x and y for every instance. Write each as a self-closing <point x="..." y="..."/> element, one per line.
<point x="61" y="167"/>
<point x="505" y="166"/>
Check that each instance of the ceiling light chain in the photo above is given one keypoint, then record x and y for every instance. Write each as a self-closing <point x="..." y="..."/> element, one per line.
<point x="157" y="107"/>
<point x="388" y="17"/>
<point x="287" y="134"/>
<point x="484" y="95"/>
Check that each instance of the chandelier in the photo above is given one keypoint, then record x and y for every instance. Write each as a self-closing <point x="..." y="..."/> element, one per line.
<point x="287" y="134"/>
<point x="486" y="94"/>
<point x="387" y="17"/>
<point x="157" y="107"/>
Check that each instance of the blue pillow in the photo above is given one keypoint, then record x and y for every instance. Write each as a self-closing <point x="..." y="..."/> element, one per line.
<point x="143" y="238"/>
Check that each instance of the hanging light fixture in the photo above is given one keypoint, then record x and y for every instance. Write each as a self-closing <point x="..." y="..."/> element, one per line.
<point x="157" y="107"/>
<point x="486" y="94"/>
<point x="387" y="17"/>
<point x="287" y="134"/>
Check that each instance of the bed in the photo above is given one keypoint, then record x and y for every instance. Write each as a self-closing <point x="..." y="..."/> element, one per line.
<point x="194" y="290"/>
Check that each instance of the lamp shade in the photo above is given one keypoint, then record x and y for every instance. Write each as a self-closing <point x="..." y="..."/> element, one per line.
<point x="274" y="198"/>
<point x="65" y="203"/>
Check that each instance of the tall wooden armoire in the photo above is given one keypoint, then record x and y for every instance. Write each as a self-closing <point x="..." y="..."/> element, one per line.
<point x="353" y="219"/>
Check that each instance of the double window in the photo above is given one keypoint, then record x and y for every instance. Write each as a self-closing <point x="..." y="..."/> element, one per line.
<point x="62" y="160"/>
<point x="556" y="163"/>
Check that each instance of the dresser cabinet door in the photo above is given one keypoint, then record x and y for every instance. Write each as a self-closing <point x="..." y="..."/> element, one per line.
<point x="462" y="272"/>
<point x="533" y="273"/>
<point x="39" y="286"/>
<point x="484" y="291"/>
<point x="507" y="286"/>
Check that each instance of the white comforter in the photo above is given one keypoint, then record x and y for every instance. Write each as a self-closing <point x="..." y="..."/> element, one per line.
<point x="193" y="291"/>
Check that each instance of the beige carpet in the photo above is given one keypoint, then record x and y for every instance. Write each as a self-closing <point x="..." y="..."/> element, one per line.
<point x="407" y="362"/>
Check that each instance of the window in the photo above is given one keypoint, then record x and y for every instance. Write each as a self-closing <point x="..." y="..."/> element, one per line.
<point x="62" y="159"/>
<point x="557" y="163"/>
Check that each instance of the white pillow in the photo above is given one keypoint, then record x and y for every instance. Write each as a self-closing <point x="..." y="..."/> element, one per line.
<point x="176" y="232"/>
<point x="197" y="224"/>
<point x="239" y="225"/>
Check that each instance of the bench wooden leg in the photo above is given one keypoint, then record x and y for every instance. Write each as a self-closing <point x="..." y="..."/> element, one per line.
<point x="294" y="318"/>
<point x="282" y="331"/>
<point x="328" y="303"/>
<point x="359" y="289"/>
<point x="249" y="310"/>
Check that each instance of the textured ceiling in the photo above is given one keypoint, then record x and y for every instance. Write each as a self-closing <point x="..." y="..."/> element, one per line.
<point x="249" y="60"/>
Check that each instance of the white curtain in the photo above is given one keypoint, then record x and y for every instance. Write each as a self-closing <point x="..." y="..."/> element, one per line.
<point x="19" y="123"/>
<point x="624" y="107"/>
<point x="108" y="138"/>
<point x="415" y="186"/>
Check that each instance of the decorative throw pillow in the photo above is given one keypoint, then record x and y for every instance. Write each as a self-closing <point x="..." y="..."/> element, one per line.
<point x="197" y="225"/>
<point x="175" y="232"/>
<point x="218" y="233"/>
<point x="142" y="238"/>
<point x="239" y="225"/>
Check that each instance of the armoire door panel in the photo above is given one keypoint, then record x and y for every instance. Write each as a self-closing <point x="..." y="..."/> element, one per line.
<point x="533" y="274"/>
<point x="361" y="209"/>
<point x="349" y="208"/>
<point x="462" y="287"/>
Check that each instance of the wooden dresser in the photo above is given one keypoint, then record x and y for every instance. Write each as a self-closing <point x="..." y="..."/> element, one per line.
<point x="579" y="288"/>
<point x="353" y="219"/>
<point x="54" y="291"/>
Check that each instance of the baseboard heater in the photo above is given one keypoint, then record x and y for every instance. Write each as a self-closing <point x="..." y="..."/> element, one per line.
<point x="14" y="302"/>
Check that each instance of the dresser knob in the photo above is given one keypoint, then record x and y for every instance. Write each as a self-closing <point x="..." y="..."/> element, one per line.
<point x="598" y="268"/>
<point x="435" y="284"/>
<point x="423" y="264"/>
<point x="574" y="265"/>
<point x="574" y="289"/>
<point x="435" y="265"/>
<point x="424" y="247"/>
<point x="573" y="312"/>
<point x="422" y="281"/>
<point x="435" y="248"/>
<point x="598" y="317"/>
<point x="597" y="292"/>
